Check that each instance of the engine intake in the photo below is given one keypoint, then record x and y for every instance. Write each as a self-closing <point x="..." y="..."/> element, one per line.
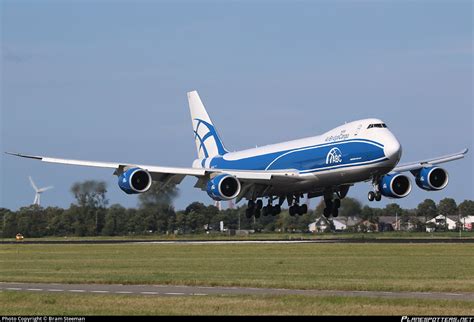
<point x="395" y="185"/>
<point x="432" y="178"/>
<point x="135" y="180"/>
<point x="223" y="187"/>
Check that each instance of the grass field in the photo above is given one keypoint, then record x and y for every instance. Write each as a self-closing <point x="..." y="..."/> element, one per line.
<point x="15" y="303"/>
<point x="377" y="267"/>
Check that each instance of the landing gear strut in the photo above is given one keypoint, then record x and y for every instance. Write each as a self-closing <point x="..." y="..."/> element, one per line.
<point x="249" y="212"/>
<point x="332" y="207"/>
<point x="295" y="208"/>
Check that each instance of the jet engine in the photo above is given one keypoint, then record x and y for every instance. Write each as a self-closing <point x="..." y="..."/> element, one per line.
<point x="223" y="187"/>
<point x="135" y="180"/>
<point x="395" y="185"/>
<point x="432" y="178"/>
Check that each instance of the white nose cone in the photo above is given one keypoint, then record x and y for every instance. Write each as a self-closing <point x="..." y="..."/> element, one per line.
<point x="393" y="149"/>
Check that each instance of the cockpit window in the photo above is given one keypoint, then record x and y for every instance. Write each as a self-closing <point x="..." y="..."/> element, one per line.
<point x="380" y="125"/>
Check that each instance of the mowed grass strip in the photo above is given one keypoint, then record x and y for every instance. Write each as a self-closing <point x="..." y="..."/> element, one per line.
<point x="378" y="267"/>
<point x="22" y="303"/>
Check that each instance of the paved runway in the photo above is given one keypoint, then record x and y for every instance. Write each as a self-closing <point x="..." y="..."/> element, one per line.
<point x="256" y="241"/>
<point x="167" y="290"/>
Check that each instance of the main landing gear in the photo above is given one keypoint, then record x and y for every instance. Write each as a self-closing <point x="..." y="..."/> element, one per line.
<point x="295" y="207"/>
<point x="332" y="206"/>
<point x="256" y="208"/>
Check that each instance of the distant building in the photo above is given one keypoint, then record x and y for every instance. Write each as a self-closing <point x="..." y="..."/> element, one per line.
<point x="441" y="220"/>
<point x="336" y="224"/>
<point x="339" y="225"/>
<point x="321" y="224"/>
<point x="389" y="223"/>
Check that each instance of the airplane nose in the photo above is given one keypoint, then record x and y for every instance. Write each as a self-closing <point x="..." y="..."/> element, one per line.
<point x="393" y="149"/>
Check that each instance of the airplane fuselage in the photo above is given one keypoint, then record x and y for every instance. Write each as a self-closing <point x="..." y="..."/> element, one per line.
<point x="350" y="153"/>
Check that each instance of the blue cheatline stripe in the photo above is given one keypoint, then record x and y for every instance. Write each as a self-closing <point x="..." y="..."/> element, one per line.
<point x="321" y="146"/>
<point x="345" y="166"/>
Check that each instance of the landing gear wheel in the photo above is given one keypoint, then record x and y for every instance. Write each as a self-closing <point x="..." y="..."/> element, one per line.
<point x="293" y="210"/>
<point x="337" y="204"/>
<point x="276" y="210"/>
<point x="378" y="196"/>
<point x="335" y="212"/>
<point x="303" y="209"/>
<point x="371" y="196"/>
<point x="259" y="204"/>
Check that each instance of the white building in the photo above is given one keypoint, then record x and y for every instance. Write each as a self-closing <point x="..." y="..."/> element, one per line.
<point x="439" y="220"/>
<point x="320" y="225"/>
<point x="339" y="225"/>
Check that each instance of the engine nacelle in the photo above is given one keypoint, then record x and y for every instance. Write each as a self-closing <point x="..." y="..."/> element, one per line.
<point x="432" y="178"/>
<point x="223" y="187"/>
<point x="395" y="185"/>
<point x="135" y="180"/>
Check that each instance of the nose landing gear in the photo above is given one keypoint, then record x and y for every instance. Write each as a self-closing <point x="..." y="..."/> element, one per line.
<point x="375" y="194"/>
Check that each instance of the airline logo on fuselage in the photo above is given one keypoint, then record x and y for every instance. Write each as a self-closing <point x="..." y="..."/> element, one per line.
<point x="334" y="156"/>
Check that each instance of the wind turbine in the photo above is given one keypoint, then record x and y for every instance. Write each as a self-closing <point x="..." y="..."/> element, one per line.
<point x="37" y="200"/>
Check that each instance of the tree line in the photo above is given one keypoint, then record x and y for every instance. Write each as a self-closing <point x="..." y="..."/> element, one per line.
<point x="91" y="215"/>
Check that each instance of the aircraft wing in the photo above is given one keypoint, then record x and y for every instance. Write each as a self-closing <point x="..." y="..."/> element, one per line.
<point x="175" y="174"/>
<point x="430" y="162"/>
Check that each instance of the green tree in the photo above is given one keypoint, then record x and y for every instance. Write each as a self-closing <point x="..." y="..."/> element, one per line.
<point x="368" y="213"/>
<point x="157" y="208"/>
<point x="115" y="221"/>
<point x="427" y="209"/>
<point x="92" y="201"/>
<point x="4" y="212"/>
<point x="196" y="217"/>
<point x="466" y="208"/>
<point x="58" y="223"/>
<point x="350" y="207"/>
<point x="10" y="224"/>
<point x="158" y="195"/>
<point x="393" y="209"/>
<point x="90" y="193"/>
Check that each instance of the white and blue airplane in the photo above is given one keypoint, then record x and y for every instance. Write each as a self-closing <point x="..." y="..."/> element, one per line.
<point x="326" y="165"/>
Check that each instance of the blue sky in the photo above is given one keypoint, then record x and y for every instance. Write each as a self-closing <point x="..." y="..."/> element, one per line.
<point x="107" y="80"/>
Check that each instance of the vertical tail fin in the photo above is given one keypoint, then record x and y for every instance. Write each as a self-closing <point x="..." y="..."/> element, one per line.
<point x="208" y="142"/>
